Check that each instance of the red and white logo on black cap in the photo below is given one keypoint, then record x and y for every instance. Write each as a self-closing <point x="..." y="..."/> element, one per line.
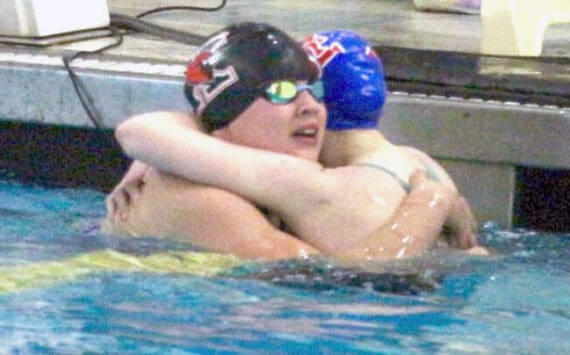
<point x="206" y="80"/>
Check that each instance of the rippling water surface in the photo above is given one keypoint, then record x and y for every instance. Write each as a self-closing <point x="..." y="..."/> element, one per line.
<point x="68" y="288"/>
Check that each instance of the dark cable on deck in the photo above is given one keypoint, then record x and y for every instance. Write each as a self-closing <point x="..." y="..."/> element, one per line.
<point x="187" y="8"/>
<point x="124" y="24"/>
<point x="134" y="24"/>
<point x="79" y="89"/>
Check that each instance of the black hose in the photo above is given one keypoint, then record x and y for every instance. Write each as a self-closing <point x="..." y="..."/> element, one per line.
<point x="84" y="98"/>
<point x="131" y="24"/>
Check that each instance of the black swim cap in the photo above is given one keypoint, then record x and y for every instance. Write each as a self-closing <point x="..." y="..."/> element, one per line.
<point x="225" y="74"/>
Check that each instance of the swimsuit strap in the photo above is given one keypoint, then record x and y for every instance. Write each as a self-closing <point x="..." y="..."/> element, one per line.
<point x="431" y="173"/>
<point x="401" y="181"/>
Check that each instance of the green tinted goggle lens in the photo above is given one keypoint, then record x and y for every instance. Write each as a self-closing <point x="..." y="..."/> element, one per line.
<point x="283" y="92"/>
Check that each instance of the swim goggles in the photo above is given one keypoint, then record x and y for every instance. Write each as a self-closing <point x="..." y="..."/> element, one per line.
<point x="284" y="91"/>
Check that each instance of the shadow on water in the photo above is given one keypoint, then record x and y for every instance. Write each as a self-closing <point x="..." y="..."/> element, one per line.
<point x="412" y="276"/>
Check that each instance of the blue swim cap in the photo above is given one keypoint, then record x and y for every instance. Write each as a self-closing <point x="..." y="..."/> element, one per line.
<point x="353" y="79"/>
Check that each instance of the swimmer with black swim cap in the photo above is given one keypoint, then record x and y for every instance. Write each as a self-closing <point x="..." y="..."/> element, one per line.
<point x="232" y="68"/>
<point x="351" y="212"/>
<point x="249" y="84"/>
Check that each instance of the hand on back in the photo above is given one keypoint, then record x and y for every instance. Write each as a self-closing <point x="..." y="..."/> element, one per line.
<point x="126" y="192"/>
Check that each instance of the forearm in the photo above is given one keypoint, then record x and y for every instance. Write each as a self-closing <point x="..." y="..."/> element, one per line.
<point x="154" y="138"/>
<point x="418" y="222"/>
<point x="414" y="227"/>
<point x="172" y="143"/>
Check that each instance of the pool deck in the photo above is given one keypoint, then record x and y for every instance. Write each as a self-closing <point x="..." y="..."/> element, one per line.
<point x="484" y="117"/>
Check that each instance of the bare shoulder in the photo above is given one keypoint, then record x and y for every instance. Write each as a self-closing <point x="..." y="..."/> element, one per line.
<point x="171" y="202"/>
<point x="207" y="217"/>
<point x="416" y="153"/>
<point x="430" y="163"/>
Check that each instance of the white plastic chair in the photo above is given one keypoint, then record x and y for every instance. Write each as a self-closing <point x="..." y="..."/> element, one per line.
<point x="517" y="27"/>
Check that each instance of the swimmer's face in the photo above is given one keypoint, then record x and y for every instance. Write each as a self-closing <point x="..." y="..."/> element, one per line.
<point x="296" y="128"/>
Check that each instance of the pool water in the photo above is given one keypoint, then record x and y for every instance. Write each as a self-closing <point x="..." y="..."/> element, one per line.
<point x="449" y="303"/>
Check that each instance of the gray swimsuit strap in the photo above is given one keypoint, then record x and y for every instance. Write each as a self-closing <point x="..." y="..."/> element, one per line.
<point x="401" y="181"/>
<point x="430" y="173"/>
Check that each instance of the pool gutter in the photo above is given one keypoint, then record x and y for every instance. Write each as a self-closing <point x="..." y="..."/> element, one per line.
<point x="483" y="142"/>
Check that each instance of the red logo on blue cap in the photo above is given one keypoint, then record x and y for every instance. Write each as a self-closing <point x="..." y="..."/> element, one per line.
<point x="370" y="52"/>
<point x="323" y="52"/>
